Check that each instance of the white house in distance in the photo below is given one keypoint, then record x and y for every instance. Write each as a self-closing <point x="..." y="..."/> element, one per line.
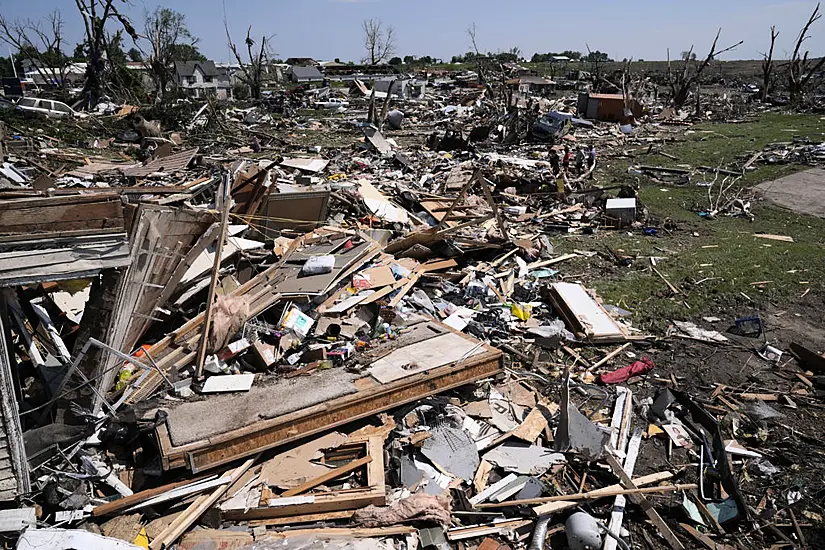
<point x="73" y="73"/>
<point x="201" y="78"/>
<point x="305" y="74"/>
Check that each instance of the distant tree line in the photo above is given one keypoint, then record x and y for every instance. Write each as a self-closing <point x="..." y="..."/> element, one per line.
<point x="513" y="55"/>
<point x="548" y="57"/>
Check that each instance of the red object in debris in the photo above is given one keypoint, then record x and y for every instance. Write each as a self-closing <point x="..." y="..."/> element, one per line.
<point x="625" y="373"/>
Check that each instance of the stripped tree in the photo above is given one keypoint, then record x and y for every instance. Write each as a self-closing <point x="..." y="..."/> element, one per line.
<point x="379" y="41"/>
<point x="43" y="45"/>
<point x="166" y="31"/>
<point x="682" y="82"/>
<point x="96" y="14"/>
<point x="801" y="69"/>
<point x="252" y="71"/>
<point x="767" y="67"/>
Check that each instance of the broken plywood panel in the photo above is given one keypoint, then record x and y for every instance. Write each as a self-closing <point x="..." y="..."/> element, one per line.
<point x="60" y="259"/>
<point x="314" y="165"/>
<point x="583" y="314"/>
<point x="201" y="441"/>
<point x="67" y="215"/>
<point x="422" y="356"/>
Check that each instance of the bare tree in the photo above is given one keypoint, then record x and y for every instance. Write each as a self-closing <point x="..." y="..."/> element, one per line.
<point x="379" y="41"/>
<point x="166" y="30"/>
<point x="480" y="60"/>
<point x="96" y="14"/>
<point x="471" y="32"/>
<point x="767" y="67"/>
<point x="43" y="46"/>
<point x="801" y="69"/>
<point x="252" y="72"/>
<point x="682" y="82"/>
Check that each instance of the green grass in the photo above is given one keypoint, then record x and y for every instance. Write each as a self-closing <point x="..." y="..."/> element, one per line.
<point x="715" y="270"/>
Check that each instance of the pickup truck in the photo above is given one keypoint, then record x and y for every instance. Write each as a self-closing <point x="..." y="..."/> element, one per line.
<point x="332" y="103"/>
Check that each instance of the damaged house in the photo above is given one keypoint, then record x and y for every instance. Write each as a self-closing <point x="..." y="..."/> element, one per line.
<point x="200" y="79"/>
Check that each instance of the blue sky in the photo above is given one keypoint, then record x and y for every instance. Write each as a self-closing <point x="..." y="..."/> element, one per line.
<point x="325" y="29"/>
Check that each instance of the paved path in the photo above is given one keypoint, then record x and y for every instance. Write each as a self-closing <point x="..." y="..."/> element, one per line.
<point x="803" y="192"/>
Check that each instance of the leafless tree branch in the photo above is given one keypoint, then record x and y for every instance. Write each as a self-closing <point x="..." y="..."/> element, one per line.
<point x="379" y="41"/>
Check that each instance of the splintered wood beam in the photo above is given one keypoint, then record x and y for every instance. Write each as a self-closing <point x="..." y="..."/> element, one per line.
<point x="213" y="283"/>
<point x="329" y="476"/>
<point x="646" y="505"/>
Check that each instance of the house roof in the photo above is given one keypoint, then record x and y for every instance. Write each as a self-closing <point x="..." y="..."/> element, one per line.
<point x="306" y="72"/>
<point x="187" y="68"/>
<point x="301" y="61"/>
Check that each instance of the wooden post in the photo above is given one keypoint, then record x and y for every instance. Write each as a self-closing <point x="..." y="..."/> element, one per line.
<point x="2" y="141"/>
<point x="213" y="283"/>
<point x="640" y="500"/>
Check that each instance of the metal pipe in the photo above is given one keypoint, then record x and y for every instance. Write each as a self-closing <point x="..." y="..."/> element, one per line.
<point x="540" y="532"/>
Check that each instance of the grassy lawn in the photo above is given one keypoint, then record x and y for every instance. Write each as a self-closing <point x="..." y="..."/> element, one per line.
<point x="712" y="263"/>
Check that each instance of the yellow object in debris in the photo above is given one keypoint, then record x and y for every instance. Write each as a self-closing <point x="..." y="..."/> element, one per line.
<point x="522" y="311"/>
<point x="560" y="185"/>
<point x="142" y="539"/>
<point x="653" y="429"/>
<point x="123" y="377"/>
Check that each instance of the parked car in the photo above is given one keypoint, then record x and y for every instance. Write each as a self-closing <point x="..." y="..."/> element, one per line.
<point x="47" y="107"/>
<point x="6" y="105"/>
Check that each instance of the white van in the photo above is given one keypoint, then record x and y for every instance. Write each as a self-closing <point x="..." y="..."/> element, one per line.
<point x="48" y="107"/>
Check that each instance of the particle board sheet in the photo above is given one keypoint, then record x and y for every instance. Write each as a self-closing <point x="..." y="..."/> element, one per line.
<point x="267" y="417"/>
<point x="294" y="210"/>
<point x="583" y="314"/>
<point x="296" y="284"/>
<point x="429" y="354"/>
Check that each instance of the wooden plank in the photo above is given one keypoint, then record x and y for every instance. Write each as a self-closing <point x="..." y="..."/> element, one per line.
<point x="197" y="509"/>
<point x="329" y="476"/>
<point x="58" y="202"/>
<point x="12" y="434"/>
<point x="305" y="518"/>
<point x="352" y="532"/>
<point x="708" y="542"/>
<point x="646" y="505"/>
<point x="593" y="495"/>
<point x="475" y="531"/>
<point x="213" y="281"/>
<point x="556" y="505"/>
<point x="782" y="238"/>
<point x="136" y="498"/>
<point x="617" y="514"/>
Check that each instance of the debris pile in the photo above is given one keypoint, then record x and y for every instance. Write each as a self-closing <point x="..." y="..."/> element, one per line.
<point x="251" y="340"/>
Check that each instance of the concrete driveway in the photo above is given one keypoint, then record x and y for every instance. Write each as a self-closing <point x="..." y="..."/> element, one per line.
<point x="803" y="192"/>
